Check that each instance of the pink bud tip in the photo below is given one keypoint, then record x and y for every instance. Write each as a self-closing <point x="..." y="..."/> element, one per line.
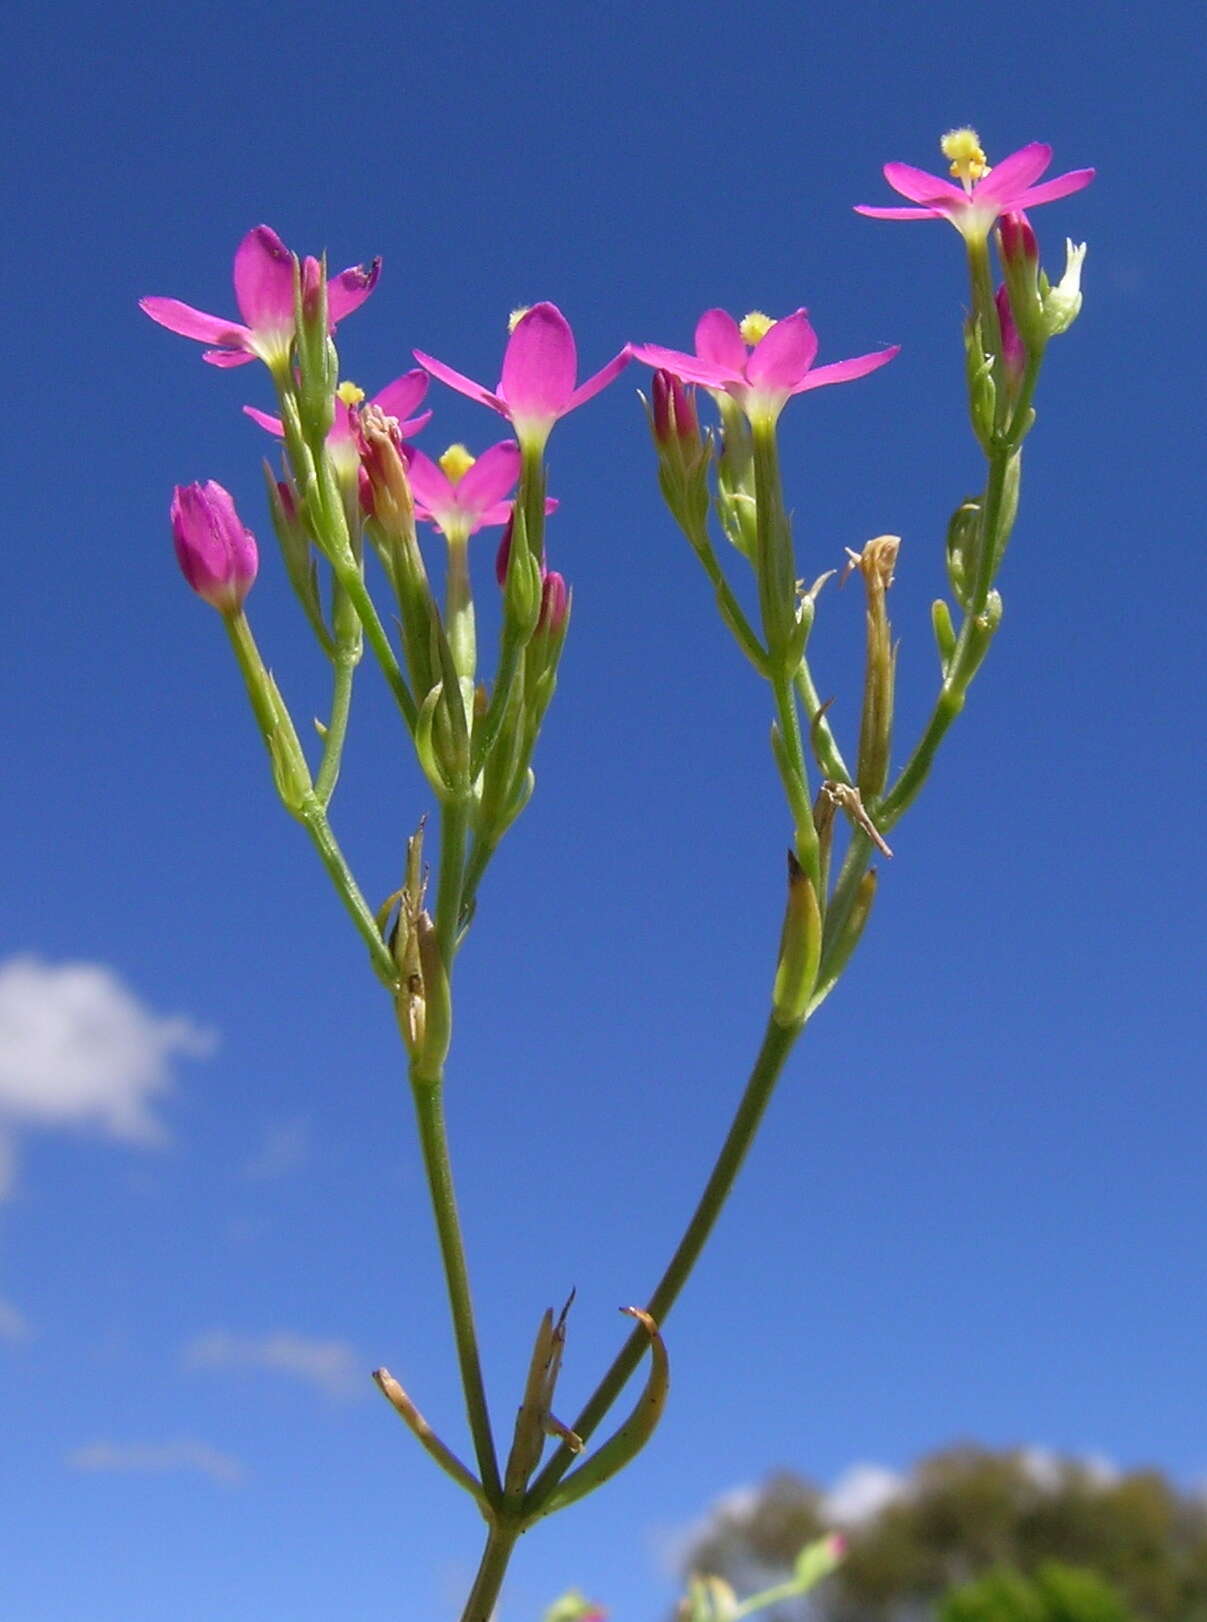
<point x="555" y="605"/>
<point x="1019" y="246"/>
<point x="503" y="556"/>
<point x="217" y="555"/>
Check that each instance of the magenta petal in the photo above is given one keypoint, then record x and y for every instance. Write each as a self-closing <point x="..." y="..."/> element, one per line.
<point x="920" y="187"/>
<point x="228" y="357"/>
<point x="499" y="513"/>
<point x="264" y="281"/>
<point x="492" y="477"/>
<point x="896" y="213"/>
<point x="458" y="381"/>
<point x="588" y="390"/>
<point x="1014" y="174"/>
<point x="1049" y="190"/>
<point x="688" y="368"/>
<point x="399" y="398"/>
<point x="784" y="354"/>
<point x="719" y="341"/>
<point x="540" y="364"/>
<point x="843" y="371"/>
<point x="431" y="485"/>
<point x="274" y="425"/>
<point x="349" y="290"/>
<point x="412" y="425"/>
<point x="191" y="323"/>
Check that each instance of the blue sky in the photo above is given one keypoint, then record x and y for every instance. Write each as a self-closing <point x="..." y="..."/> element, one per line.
<point x="978" y="1208"/>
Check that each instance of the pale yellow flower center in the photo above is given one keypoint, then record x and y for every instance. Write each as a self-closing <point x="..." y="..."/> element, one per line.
<point x="516" y="316"/>
<point x="456" y="463"/>
<point x="963" y="149"/>
<point x="350" y="394"/>
<point x="755" y="327"/>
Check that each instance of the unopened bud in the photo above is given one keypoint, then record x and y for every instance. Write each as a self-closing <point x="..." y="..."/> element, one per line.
<point x="800" y="949"/>
<point x="982" y="395"/>
<point x="683" y="453"/>
<point x="1014" y="355"/>
<point x="216" y="552"/>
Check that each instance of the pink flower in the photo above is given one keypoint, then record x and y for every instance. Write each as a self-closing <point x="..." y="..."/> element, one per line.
<point x="459" y="494"/>
<point x="217" y="555"/>
<point x="555" y="606"/>
<point x="264" y="294"/>
<point x="396" y="400"/>
<point x="761" y="378"/>
<point x="973" y="206"/>
<point x="540" y="365"/>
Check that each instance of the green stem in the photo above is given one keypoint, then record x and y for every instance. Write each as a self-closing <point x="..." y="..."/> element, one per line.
<point x="344" y="663"/>
<point x="309" y="809"/>
<point x="483" y="1595"/>
<point x="807" y="849"/>
<point x="428" y="1093"/>
<point x="479" y="860"/>
<point x="777" y="1044"/>
<point x="821" y="737"/>
<point x="731" y="609"/>
<point x="459" y="615"/>
<point x="314" y="819"/>
<point x="775" y="565"/>
<point x="454" y="826"/>
<point x="347" y="572"/>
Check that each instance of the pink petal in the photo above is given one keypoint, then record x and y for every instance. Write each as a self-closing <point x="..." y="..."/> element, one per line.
<point x="349" y="290"/>
<point x="843" y="371"/>
<point x="492" y="477"/>
<point x="688" y="368"/>
<point x="458" y="381"/>
<point x="784" y="354"/>
<point x="264" y="281"/>
<point x="191" y="323"/>
<point x="540" y="364"/>
<point x="920" y="187"/>
<point x="399" y="398"/>
<point x="897" y="213"/>
<point x="719" y="341"/>
<point x="274" y="425"/>
<point x="1050" y="190"/>
<point x="1015" y="173"/>
<point x="498" y="514"/>
<point x="228" y="357"/>
<point x="430" y="483"/>
<point x="413" y="425"/>
<point x="588" y="390"/>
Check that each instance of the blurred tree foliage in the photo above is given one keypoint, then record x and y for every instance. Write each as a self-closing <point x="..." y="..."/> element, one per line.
<point x="1056" y="1593"/>
<point x="967" y="1512"/>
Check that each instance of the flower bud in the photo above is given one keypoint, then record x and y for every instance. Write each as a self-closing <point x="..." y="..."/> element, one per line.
<point x="555" y="606"/>
<point x="683" y="454"/>
<point x="800" y="949"/>
<point x="1062" y="303"/>
<point x="1016" y="238"/>
<point x="217" y="555"/>
<point x="1014" y="355"/>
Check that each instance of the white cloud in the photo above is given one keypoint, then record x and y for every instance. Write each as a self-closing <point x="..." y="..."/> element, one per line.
<point x="860" y="1493"/>
<point x="157" y="1458"/>
<point x="332" y="1365"/>
<point x="14" y="1325"/>
<point x="286" y="1148"/>
<point x="78" y="1049"/>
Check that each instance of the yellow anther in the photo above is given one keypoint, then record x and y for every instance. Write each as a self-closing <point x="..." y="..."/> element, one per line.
<point x="456" y="463"/>
<point x="755" y="326"/>
<point x="963" y="148"/>
<point x="516" y="316"/>
<point x="350" y="394"/>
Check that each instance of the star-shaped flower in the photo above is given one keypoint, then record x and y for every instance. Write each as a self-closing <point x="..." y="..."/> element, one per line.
<point x="761" y="363"/>
<point x="984" y="193"/>
<point x="264" y="294"/>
